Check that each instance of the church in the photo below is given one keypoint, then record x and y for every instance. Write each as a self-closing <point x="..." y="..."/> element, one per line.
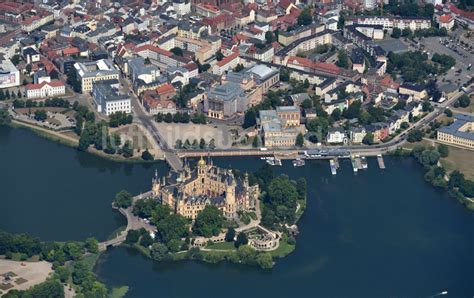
<point x="188" y="192"/>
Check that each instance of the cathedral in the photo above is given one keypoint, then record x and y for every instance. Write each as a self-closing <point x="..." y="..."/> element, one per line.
<point x="188" y="192"/>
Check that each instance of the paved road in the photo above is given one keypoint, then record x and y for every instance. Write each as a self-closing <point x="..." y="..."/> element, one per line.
<point x="142" y="117"/>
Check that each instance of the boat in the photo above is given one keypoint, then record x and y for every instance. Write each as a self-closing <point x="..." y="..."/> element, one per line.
<point x="332" y="163"/>
<point x="298" y="162"/>
<point x="270" y="162"/>
<point x="354" y="164"/>
<point x="364" y="162"/>
<point x="277" y="161"/>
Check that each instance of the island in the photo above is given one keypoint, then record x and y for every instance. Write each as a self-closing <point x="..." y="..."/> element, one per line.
<point x="212" y="214"/>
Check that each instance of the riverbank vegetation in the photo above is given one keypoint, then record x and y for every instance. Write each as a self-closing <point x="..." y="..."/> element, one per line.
<point x="455" y="182"/>
<point x="72" y="263"/>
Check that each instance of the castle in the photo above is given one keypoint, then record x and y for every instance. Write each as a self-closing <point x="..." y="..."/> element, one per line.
<point x="188" y="192"/>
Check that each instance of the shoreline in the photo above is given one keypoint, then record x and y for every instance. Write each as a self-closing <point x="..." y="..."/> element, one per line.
<point x="65" y="140"/>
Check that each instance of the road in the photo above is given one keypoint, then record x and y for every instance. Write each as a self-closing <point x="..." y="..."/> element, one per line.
<point x="142" y="117"/>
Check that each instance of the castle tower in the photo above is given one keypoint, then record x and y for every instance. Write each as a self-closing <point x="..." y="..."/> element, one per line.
<point x="230" y="200"/>
<point x="155" y="184"/>
<point x="201" y="167"/>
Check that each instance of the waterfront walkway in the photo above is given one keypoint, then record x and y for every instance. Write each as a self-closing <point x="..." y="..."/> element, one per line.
<point x="133" y="223"/>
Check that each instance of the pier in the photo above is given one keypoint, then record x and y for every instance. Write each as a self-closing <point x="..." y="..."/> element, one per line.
<point x="380" y="161"/>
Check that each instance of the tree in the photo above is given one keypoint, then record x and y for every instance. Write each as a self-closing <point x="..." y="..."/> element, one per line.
<point x="299" y="140"/>
<point x="265" y="260"/>
<point x="250" y="119"/>
<point x="92" y="245"/>
<point x="62" y="273"/>
<point x="305" y="17"/>
<point x="239" y="67"/>
<point x="159" y="251"/>
<point x="127" y="149"/>
<point x="177" y="51"/>
<point x="202" y="144"/>
<point x="406" y="32"/>
<point x="230" y="235"/>
<point x="179" y="144"/>
<point x="41" y="115"/>
<point x="132" y="236"/>
<point x="73" y="81"/>
<point x="209" y="222"/>
<point x="219" y="55"/>
<point x="256" y="142"/>
<point x="342" y="60"/>
<point x="414" y="135"/>
<point x="443" y="150"/>
<point x="448" y="113"/>
<point x="4" y="117"/>
<point x="368" y="139"/>
<point x="396" y="33"/>
<point x="270" y="37"/>
<point x="241" y="240"/>
<point x="73" y="250"/>
<point x="146" y="240"/>
<point x="464" y="101"/>
<point x="174" y="245"/>
<point x="212" y="144"/>
<point x="174" y="226"/>
<point x="146" y="155"/>
<point x="123" y="199"/>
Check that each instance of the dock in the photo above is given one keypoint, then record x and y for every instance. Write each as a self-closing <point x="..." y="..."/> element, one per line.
<point x="333" y="165"/>
<point x="354" y="164"/>
<point x="358" y="163"/>
<point x="380" y="161"/>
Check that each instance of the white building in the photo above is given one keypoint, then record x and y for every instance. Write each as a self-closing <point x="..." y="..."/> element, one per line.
<point x="336" y="136"/>
<point x="108" y="99"/>
<point x="9" y="74"/>
<point x="45" y="89"/>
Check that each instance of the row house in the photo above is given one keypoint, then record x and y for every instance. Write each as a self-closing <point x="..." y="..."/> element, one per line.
<point x="226" y="64"/>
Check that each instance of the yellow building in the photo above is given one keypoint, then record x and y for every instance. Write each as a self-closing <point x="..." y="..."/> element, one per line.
<point x="459" y="133"/>
<point x="188" y="192"/>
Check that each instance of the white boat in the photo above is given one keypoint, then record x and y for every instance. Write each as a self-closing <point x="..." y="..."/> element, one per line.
<point x="364" y="162"/>
<point x="298" y="162"/>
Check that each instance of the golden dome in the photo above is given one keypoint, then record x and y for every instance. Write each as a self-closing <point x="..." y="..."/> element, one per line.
<point x="201" y="162"/>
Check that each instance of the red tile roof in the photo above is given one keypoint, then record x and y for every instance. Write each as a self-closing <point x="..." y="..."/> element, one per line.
<point x="446" y="18"/>
<point x="153" y="49"/>
<point x="71" y="51"/>
<point x="54" y="83"/>
<point x="227" y="59"/>
<point x="321" y="66"/>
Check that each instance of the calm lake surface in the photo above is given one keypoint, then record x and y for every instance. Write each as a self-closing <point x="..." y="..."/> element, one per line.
<point x="380" y="233"/>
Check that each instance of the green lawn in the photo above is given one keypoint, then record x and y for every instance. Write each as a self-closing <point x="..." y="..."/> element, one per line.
<point x="284" y="249"/>
<point x="222" y="246"/>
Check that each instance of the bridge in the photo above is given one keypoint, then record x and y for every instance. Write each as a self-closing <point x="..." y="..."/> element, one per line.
<point x="133" y="223"/>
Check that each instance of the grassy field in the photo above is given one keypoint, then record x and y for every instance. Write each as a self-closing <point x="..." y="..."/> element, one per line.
<point x="283" y="250"/>
<point x="133" y="133"/>
<point x="222" y="246"/>
<point x="460" y="159"/>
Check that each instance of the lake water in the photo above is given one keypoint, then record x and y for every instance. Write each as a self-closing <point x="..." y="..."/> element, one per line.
<point x="375" y="234"/>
